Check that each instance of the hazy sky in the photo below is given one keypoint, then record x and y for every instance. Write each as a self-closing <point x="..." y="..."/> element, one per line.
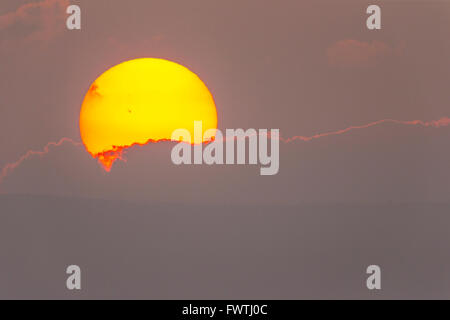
<point x="155" y="230"/>
<point x="304" y="67"/>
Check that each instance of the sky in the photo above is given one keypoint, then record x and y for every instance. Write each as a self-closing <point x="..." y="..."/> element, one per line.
<point x="302" y="67"/>
<point x="151" y="229"/>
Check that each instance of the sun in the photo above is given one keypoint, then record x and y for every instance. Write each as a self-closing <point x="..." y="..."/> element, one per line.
<point x="142" y="101"/>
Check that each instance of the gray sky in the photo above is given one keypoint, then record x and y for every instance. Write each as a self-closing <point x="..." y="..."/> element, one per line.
<point x="304" y="67"/>
<point x="150" y="229"/>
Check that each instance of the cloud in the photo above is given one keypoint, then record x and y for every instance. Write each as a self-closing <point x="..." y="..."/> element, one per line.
<point x="442" y="122"/>
<point x="353" y="53"/>
<point x="33" y="22"/>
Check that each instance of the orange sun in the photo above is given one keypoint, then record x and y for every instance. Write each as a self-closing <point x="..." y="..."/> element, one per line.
<point x="142" y="101"/>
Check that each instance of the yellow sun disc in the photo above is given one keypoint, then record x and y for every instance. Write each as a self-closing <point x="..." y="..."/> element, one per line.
<point x="142" y="101"/>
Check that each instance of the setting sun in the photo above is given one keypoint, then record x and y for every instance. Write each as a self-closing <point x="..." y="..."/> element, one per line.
<point x="142" y="101"/>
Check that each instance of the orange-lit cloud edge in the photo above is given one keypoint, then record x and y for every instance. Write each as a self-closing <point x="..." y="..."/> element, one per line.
<point x="108" y="158"/>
